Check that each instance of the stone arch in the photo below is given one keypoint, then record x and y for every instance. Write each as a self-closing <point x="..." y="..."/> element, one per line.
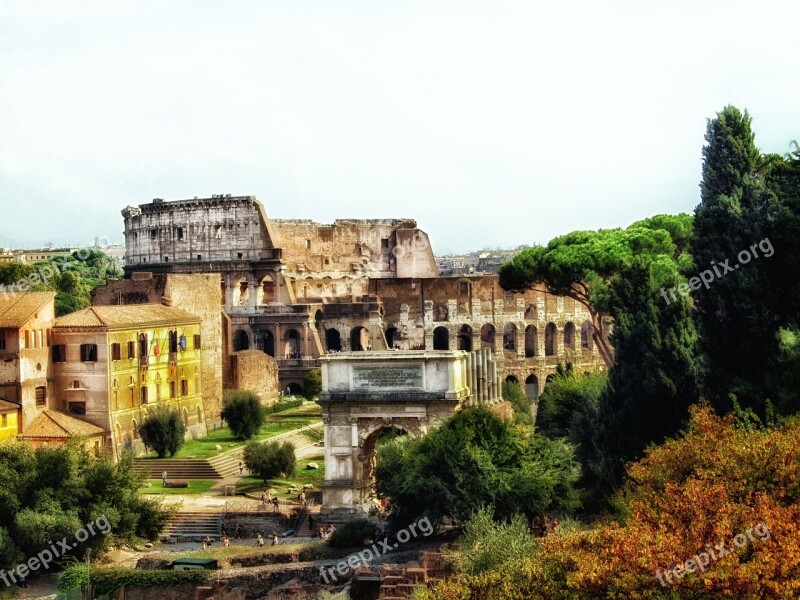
<point x="587" y="335"/>
<point x="266" y="290"/>
<point x="359" y="339"/>
<point x="268" y="343"/>
<point x="549" y="380"/>
<point x="487" y="336"/>
<point x="135" y="429"/>
<point x="292" y="344"/>
<point x="241" y="341"/>
<point x="530" y="313"/>
<point x="368" y="435"/>
<point x="510" y="336"/>
<point x="550" y="339"/>
<point x="532" y="387"/>
<point x="391" y="334"/>
<point x="512" y="379"/>
<point x="569" y="335"/>
<point x="465" y="338"/>
<point x="241" y="291"/>
<point x="441" y="338"/>
<point x="294" y="388"/>
<point x="531" y="341"/>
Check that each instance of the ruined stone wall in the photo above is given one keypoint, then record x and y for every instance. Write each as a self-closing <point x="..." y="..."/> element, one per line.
<point x="257" y="372"/>
<point x="197" y="294"/>
<point x="207" y="229"/>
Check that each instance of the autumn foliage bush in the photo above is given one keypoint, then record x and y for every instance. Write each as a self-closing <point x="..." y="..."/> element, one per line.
<point x="721" y="478"/>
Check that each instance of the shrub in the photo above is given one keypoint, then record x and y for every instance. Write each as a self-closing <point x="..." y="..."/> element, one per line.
<point x="282" y="405"/>
<point x="312" y="383"/>
<point x="107" y="581"/>
<point x="163" y="431"/>
<point x="522" y="406"/>
<point x="352" y="533"/>
<point x="243" y="413"/>
<point x="270" y="459"/>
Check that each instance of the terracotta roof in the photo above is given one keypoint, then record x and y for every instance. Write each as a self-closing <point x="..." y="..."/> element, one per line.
<point x="126" y="316"/>
<point x="55" y="424"/>
<point x="6" y="406"/>
<point x="17" y="309"/>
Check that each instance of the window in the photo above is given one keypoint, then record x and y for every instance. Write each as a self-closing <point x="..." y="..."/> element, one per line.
<point x="239" y="255"/>
<point x="143" y="345"/>
<point x="197" y="384"/>
<point x="5" y="420"/>
<point x="184" y="387"/>
<point x="153" y="234"/>
<point x="199" y="257"/>
<point x="173" y="341"/>
<point x="180" y="233"/>
<point x="2" y="341"/>
<point x="143" y="393"/>
<point x="172" y="389"/>
<point x="463" y="288"/>
<point x="197" y="344"/>
<point x="77" y="408"/>
<point x="39" y="338"/>
<point x="182" y="343"/>
<point x="41" y="396"/>
<point x="116" y="352"/>
<point x="27" y="339"/>
<point x="385" y="243"/>
<point x="308" y="244"/>
<point x="59" y="353"/>
<point x="131" y="349"/>
<point x="88" y="352"/>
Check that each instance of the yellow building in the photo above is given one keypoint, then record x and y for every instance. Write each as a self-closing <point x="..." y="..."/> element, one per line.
<point x="9" y="419"/>
<point x="112" y="364"/>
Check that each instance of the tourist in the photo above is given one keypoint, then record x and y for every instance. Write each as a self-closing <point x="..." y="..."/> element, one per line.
<point x="164" y="479"/>
<point x="263" y="499"/>
<point x="260" y="541"/>
<point x="226" y="542"/>
<point x="274" y="539"/>
<point x="275" y="504"/>
<point x="322" y="534"/>
<point x="302" y="498"/>
<point x="311" y="522"/>
<point x="241" y="468"/>
<point x="238" y="531"/>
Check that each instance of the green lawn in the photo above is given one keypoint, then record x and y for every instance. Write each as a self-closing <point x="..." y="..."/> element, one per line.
<point x="274" y="424"/>
<point x="196" y="486"/>
<point x="302" y="476"/>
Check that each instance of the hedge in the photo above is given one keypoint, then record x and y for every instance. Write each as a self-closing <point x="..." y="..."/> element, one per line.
<point x="109" y="580"/>
<point x="285" y="405"/>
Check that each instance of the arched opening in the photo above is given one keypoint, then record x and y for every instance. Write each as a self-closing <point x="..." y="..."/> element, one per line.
<point x="487" y="336"/>
<point x="241" y="292"/>
<point x="292" y="348"/>
<point x="333" y="340"/>
<point x="530" y="313"/>
<point x="359" y="339"/>
<point x="268" y="343"/>
<point x="550" y="339"/>
<point x="512" y="379"/>
<point x="532" y="388"/>
<point x="294" y="389"/>
<point x="587" y="335"/>
<point x="569" y="336"/>
<point x="510" y="337"/>
<point x="441" y="339"/>
<point x="391" y="334"/>
<point x="370" y="451"/>
<point x="266" y="290"/>
<point x="241" y="341"/>
<point x="465" y="338"/>
<point x="549" y="380"/>
<point x="531" y="341"/>
<point x="135" y="429"/>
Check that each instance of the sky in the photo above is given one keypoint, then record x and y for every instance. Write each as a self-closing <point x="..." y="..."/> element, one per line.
<point x="493" y="124"/>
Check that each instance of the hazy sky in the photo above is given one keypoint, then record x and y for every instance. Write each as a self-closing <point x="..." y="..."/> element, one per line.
<point x="490" y="123"/>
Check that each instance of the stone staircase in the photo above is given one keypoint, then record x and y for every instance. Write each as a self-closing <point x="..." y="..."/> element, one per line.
<point x="400" y="581"/>
<point x="193" y="526"/>
<point x="227" y="464"/>
<point x="176" y="468"/>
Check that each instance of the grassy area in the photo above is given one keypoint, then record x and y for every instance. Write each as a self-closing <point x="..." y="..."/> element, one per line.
<point x="302" y="476"/>
<point x="196" y="486"/>
<point x="274" y="424"/>
<point x="316" y="550"/>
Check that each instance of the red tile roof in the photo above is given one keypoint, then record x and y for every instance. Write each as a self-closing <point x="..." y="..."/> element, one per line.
<point x="6" y="406"/>
<point x="126" y="316"/>
<point x="18" y="308"/>
<point x="53" y="424"/>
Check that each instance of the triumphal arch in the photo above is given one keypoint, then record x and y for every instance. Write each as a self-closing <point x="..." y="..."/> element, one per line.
<point x="366" y="393"/>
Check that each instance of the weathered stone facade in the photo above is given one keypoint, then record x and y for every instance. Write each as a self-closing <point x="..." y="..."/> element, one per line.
<point x="297" y="290"/>
<point x="254" y="371"/>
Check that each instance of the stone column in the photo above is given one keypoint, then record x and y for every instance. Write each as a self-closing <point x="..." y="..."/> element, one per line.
<point x="478" y="374"/>
<point x="496" y="384"/>
<point x="470" y="380"/>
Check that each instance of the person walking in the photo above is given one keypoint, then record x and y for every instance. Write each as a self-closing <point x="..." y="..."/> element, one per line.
<point x="260" y="541"/>
<point x="164" y="479"/>
<point x="274" y="539"/>
<point x="241" y="468"/>
<point x="275" y="504"/>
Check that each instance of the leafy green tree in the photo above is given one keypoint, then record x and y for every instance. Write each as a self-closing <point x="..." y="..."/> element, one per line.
<point x="71" y="293"/>
<point x="312" y="384"/>
<point x="163" y="430"/>
<point x="512" y="393"/>
<point x="242" y="412"/>
<point x="13" y="272"/>
<point x="52" y="491"/>
<point x="736" y="322"/>
<point x="270" y="459"/>
<point x="475" y="459"/>
<point x="486" y="544"/>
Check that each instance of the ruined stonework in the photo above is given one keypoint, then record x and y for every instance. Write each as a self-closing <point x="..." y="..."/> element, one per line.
<point x="197" y="294"/>
<point x="298" y="289"/>
<point x="254" y="371"/>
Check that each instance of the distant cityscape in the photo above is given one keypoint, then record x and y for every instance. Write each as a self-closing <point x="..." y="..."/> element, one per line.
<point x="50" y="252"/>
<point x="475" y="263"/>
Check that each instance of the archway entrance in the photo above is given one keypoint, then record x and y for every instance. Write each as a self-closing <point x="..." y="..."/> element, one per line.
<point x="532" y="388"/>
<point x="441" y="338"/>
<point x="465" y="338"/>
<point x="391" y="333"/>
<point x="241" y="341"/>
<point x="268" y="343"/>
<point x="333" y="340"/>
<point x="359" y="339"/>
